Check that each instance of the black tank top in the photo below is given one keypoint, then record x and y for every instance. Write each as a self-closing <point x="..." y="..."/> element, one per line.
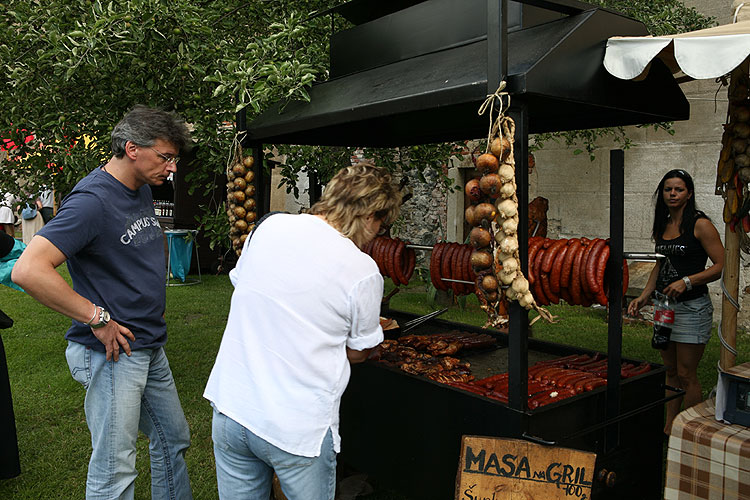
<point x="685" y="256"/>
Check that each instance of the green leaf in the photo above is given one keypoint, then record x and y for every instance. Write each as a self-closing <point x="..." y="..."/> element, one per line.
<point x="461" y="301"/>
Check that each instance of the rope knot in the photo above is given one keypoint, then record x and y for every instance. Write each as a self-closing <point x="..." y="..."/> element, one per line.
<point x="490" y="102"/>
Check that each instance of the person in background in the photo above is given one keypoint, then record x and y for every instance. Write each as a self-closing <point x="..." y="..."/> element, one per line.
<point x="47" y="199"/>
<point x="31" y="219"/>
<point x="293" y="329"/>
<point x="10" y="464"/>
<point x="7" y="217"/>
<point x="108" y="234"/>
<point x="688" y="238"/>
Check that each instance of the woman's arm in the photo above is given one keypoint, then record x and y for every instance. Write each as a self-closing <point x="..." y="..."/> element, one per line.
<point x="357" y="356"/>
<point x="707" y="234"/>
<point x="709" y="238"/>
<point x="640" y="301"/>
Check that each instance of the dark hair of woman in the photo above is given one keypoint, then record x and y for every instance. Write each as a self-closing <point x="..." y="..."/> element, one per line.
<point x="661" y="214"/>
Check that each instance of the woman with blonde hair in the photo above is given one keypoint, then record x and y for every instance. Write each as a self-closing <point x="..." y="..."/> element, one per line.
<point x="306" y="304"/>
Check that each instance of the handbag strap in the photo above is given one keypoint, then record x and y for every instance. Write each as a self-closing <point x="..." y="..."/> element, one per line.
<point x="260" y="221"/>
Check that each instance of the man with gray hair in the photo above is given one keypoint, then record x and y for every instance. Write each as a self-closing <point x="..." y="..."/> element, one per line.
<point x="108" y="234"/>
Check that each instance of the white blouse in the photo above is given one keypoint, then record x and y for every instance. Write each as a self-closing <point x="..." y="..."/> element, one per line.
<point x="303" y="293"/>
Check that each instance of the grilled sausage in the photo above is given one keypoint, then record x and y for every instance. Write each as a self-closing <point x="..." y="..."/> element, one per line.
<point x="556" y="271"/>
<point x="601" y="266"/>
<point x="445" y="265"/>
<point x="466" y="269"/>
<point x="551" y="296"/>
<point x="576" y="292"/>
<point x="412" y="261"/>
<point x="533" y="249"/>
<point x="376" y="253"/>
<point x="458" y="288"/>
<point x="591" y="267"/>
<point x="399" y="264"/>
<point x="567" y="266"/>
<point x="551" y="253"/>
<point x="435" y="264"/>
<point x="593" y="384"/>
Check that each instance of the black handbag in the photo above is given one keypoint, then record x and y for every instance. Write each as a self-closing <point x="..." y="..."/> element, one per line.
<point x="5" y="321"/>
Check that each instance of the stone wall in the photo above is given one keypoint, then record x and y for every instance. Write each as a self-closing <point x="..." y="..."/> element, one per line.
<point x="423" y="217"/>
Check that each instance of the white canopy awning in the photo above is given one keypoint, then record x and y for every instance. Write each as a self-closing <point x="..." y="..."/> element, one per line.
<point x="707" y="53"/>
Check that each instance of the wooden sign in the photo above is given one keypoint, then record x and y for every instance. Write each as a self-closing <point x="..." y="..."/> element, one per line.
<point x="510" y="469"/>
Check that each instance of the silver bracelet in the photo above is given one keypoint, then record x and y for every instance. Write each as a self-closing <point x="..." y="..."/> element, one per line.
<point x="96" y="309"/>
<point x="688" y="284"/>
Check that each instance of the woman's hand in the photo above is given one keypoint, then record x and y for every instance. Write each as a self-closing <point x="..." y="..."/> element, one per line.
<point x="640" y="301"/>
<point x="675" y="289"/>
<point x="636" y="304"/>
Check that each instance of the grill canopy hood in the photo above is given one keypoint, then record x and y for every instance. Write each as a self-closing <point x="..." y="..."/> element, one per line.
<point x="397" y="86"/>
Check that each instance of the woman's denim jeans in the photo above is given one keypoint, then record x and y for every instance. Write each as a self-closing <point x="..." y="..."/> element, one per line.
<point x="245" y="465"/>
<point x="136" y="392"/>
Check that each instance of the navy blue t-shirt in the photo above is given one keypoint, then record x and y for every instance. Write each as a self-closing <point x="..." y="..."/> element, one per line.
<point x="115" y="253"/>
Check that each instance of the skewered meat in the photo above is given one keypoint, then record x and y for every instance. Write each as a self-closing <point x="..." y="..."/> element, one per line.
<point x="538" y="216"/>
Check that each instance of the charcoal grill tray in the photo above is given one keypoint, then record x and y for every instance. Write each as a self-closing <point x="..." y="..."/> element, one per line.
<point x="405" y="430"/>
<point x="488" y="361"/>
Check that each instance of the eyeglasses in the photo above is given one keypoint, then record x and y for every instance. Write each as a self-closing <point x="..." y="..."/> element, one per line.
<point x="167" y="159"/>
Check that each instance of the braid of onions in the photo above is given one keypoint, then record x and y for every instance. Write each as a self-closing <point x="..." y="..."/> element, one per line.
<point x="498" y="183"/>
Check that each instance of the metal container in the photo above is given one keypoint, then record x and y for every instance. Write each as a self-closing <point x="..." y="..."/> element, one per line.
<point x="405" y="430"/>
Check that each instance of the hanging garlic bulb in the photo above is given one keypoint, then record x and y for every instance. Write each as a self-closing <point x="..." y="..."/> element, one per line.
<point x="507" y="208"/>
<point x="509" y="244"/>
<point x="507" y="278"/>
<point x="520" y="285"/>
<point x="507" y="173"/>
<point x="510" y="265"/>
<point x="510" y="226"/>
<point x="526" y="300"/>
<point x="507" y="190"/>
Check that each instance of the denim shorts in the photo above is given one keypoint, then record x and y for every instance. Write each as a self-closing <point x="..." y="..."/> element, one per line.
<point x="693" y="320"/>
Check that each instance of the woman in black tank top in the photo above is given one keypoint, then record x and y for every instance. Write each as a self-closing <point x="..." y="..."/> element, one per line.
<point x="688" y="239"/>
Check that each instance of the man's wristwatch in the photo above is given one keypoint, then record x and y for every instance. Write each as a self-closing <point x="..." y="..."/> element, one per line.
<point x="688" y="285"/>
<point x="103" y="318"/>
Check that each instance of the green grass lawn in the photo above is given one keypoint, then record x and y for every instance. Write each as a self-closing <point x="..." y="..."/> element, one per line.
<point x="53" y="437"/>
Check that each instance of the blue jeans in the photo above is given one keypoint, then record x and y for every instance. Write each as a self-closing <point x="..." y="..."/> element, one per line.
<point x="136" y="392"/>
<point x="245" y="465"/>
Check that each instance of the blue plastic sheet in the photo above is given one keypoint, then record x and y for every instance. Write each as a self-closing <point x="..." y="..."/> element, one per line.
<point x="180" y="252"/>
<point x="7" y="263"/>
